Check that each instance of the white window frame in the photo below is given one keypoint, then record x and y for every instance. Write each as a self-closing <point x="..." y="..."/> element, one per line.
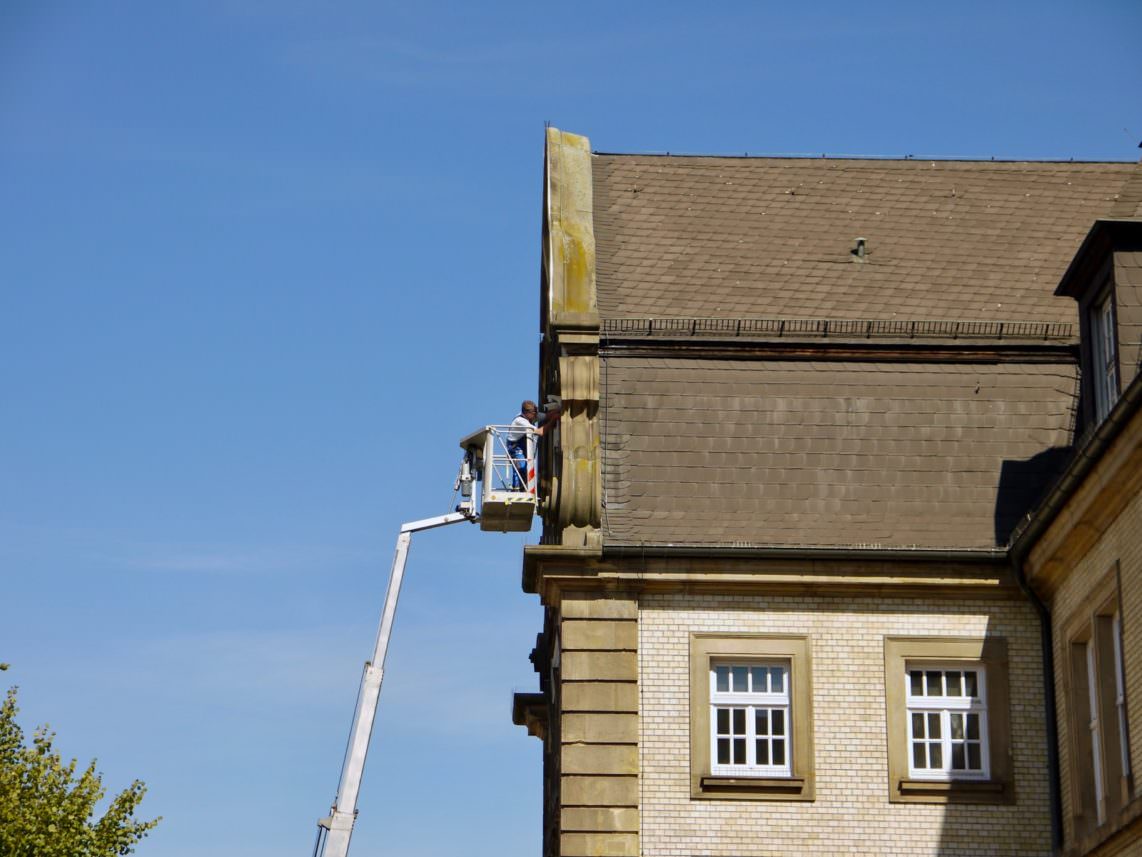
<point x="1120" y="693"/>
<point x="752" y="702"/>
<point x="1104" y="355"/>
<point x="1095" y="728"/>
<point x="944" y="708"/>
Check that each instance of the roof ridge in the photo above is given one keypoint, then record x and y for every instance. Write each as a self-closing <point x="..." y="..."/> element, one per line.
<point x="824" y="156"/>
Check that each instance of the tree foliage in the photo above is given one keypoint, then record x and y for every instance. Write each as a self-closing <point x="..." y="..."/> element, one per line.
<point x="47" y="809"/>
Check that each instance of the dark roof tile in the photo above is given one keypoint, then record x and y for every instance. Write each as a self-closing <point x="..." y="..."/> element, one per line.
<point x="771" y="237"/>
<point x="827" y="453"/>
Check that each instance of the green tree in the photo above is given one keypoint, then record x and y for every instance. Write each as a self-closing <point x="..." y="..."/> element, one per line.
<point x="47" y="810"/>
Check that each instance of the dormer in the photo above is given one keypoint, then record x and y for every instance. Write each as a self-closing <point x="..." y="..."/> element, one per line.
<point x="1105" y="277"/>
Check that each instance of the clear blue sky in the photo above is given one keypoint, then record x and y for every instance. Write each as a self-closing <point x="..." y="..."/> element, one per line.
<point x="264" y="262"/>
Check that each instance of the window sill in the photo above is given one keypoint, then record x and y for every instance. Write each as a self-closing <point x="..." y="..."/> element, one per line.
<point x="754" y="788"/>
<point x="952" y="791"/>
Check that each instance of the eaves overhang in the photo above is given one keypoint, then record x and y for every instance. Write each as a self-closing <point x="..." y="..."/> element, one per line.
<point x="551" y="569"/>
<point x="1104" y="236"/>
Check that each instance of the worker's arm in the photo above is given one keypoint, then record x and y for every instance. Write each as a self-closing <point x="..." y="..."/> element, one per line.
<point x="548" y="420"/>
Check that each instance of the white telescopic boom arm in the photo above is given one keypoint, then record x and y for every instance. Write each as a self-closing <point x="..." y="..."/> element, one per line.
<point x="339" y="824"/>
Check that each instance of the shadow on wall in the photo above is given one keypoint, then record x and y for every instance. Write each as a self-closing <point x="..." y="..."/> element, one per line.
<point x="1022" y="484"/>
<point x="962" y="824"/>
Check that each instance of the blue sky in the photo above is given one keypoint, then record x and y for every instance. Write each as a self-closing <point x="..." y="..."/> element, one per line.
<point x="262" y="264"/>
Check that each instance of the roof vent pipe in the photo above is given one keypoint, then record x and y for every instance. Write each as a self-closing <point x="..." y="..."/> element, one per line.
<point x="860" y="250"/>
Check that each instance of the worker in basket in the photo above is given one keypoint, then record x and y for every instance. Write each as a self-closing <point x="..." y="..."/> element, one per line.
<point x="527" y="420"/>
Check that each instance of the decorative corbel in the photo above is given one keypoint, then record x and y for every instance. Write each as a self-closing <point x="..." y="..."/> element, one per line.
<point x="571" y="338"/>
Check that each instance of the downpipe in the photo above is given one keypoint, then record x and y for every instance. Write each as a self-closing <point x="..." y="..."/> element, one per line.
<point x="1046" y="640"/>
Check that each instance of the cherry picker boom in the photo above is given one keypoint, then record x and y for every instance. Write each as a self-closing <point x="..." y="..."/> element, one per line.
<point x="506" y="503"/>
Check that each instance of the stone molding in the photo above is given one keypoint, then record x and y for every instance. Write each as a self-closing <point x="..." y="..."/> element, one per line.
<point x="550" y="571"/>
<point x="570" y="327"/>
<point x="599" y="725"/>
<point x="569" y="252"/>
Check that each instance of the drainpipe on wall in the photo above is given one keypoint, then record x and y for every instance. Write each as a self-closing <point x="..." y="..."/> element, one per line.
<point x="1046" y="641"/>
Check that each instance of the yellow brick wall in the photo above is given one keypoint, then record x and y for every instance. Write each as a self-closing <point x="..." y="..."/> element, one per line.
<point x="1122" y="543"/>
<point x="852" y="813"/>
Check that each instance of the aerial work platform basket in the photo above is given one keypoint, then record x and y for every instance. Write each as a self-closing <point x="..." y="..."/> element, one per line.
<point x="502" y="458"/>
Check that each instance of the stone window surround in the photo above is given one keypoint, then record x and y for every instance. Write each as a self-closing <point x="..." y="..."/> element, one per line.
<point x="991" y="654"/>
<point x="793" y="649"/>
<point x="1095" y="611"/>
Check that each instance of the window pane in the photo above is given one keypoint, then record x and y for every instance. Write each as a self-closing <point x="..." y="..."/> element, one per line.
<point x="763" y="752"/>
<point x="777" y="679"/>
<point x="761" y="721"/>
<point x="973" y="727"/>
<point x="723" y="751"/>
<point x="952" y="677"/>
<point x="740" y="680"/>
<point x="739" y="751"/>
<point x="935" y="688"/>
<point x="916" y="682"/>
<point x="918" y="760"/>
<point x="969" y="681"/>
<point x="957" y="725"/>
<point x="779" y="752"/>
<point x="957" y="757"/>
<point x="933" y="725"/>
<point x="759" y="683"/>
<point x="778" y="722"/>
<point x="974" y="761"/>
<point x="917" y="725"/>
<point x="936" y="754"/>
<point x="722" y="678"/>
<point x="723" y="721"/>
<point x="739" y="721"/>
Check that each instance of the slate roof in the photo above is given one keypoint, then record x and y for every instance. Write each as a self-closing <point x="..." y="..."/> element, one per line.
<point x="787" y="453"/>
<point x="771" y="237"/>
<point x="765" y="447"/>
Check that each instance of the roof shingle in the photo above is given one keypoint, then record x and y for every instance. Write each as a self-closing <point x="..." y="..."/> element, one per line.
<point x="700" y="237"/>
<point x="789" y="453"/>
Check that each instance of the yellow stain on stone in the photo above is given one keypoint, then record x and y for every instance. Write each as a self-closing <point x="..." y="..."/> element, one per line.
<point x="571" y="235"/>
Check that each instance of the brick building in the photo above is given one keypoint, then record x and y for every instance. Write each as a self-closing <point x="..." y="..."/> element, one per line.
<point x="807" y="404"/>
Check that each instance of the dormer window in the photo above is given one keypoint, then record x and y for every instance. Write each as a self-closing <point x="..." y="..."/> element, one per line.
<point x="1100" y="279"/>
<point x="1104" y="355"/>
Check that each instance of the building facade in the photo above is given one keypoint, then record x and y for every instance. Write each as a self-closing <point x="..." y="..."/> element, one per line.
<point x="1082" y="553"/>
<point x="806" y="404"/>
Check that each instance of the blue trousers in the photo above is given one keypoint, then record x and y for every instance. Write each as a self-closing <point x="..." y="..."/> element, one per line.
<point x="518" y="451"/>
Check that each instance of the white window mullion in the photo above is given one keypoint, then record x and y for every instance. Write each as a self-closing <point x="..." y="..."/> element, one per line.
<point x="740" y="695"/>
<point x="947" y="721"/>
<point x="1120" y="694"/>
<point x="1104" y="357"/>
<point x="1095" y="736"/>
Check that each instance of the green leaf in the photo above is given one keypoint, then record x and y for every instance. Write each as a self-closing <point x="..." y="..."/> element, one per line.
<point x="47" y="810"/>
